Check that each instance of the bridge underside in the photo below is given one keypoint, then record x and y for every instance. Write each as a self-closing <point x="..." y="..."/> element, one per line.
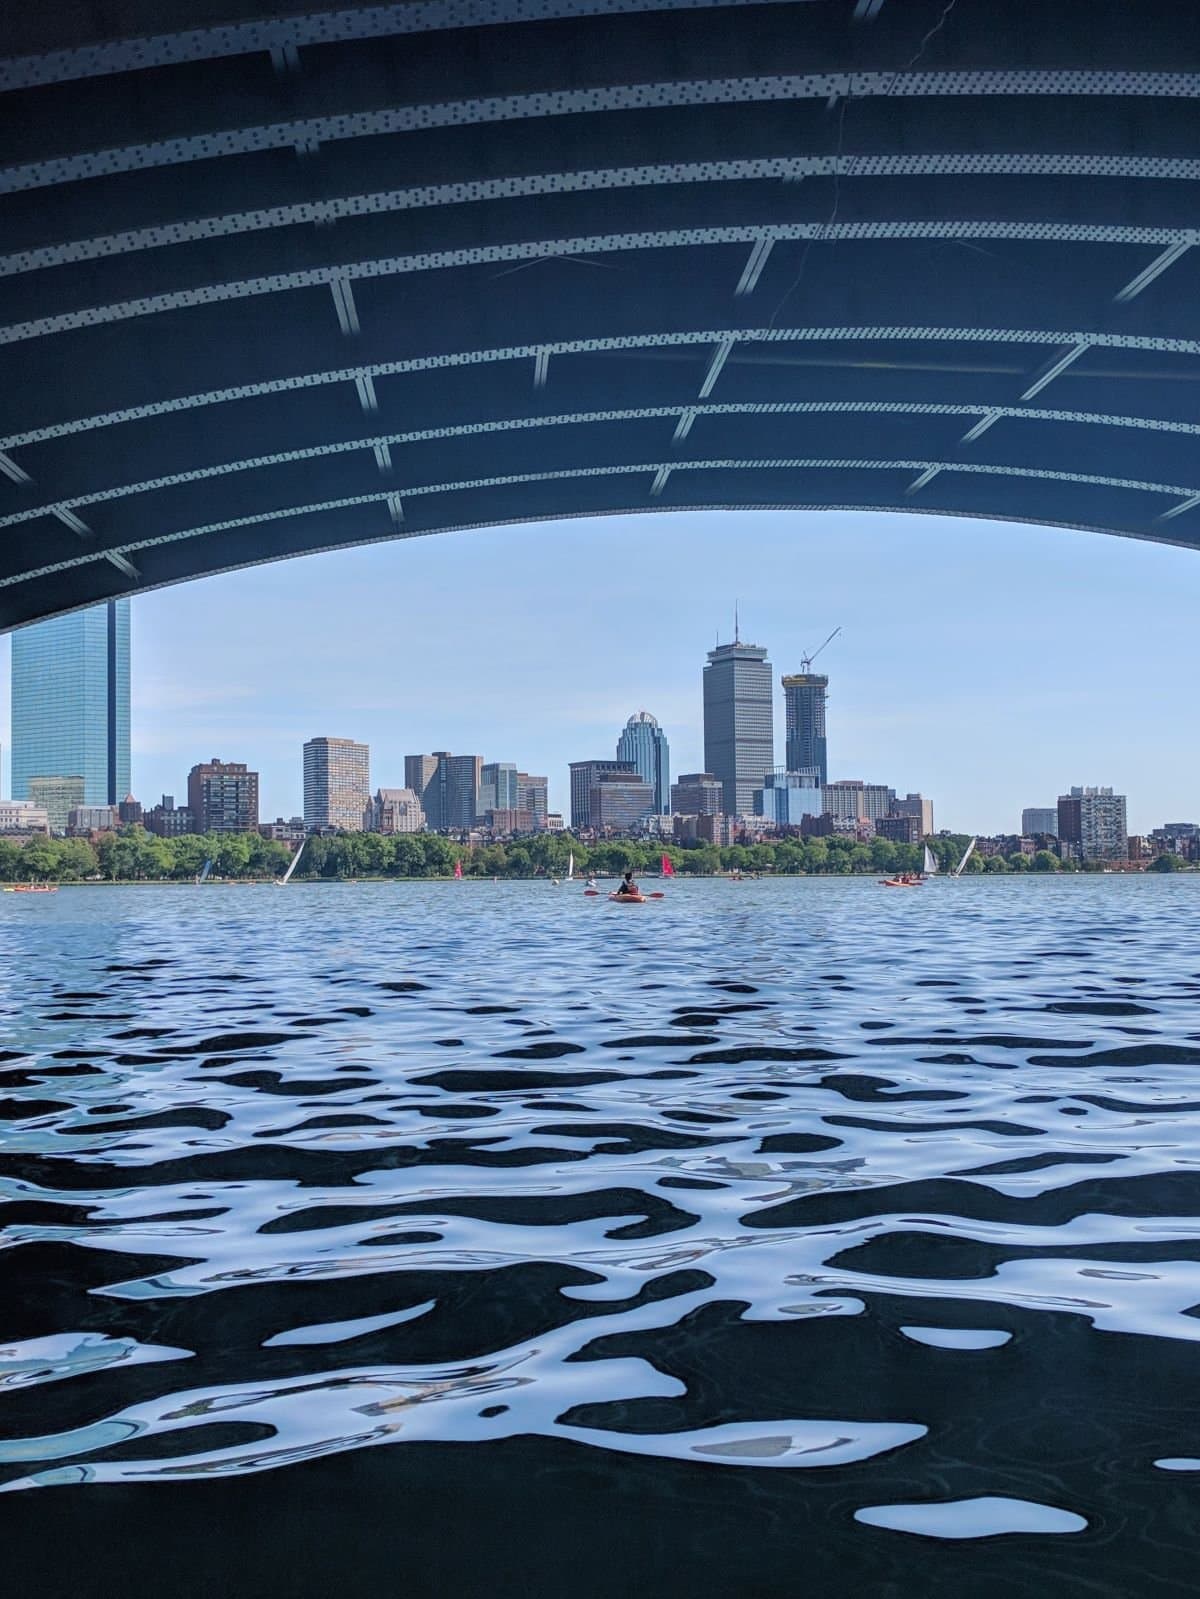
<point x="278" y="281"/>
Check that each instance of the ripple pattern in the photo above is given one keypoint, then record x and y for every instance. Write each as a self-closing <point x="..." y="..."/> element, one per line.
<point x="830" y="1214"/>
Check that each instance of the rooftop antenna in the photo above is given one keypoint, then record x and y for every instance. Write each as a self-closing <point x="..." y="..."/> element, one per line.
<point x="737" y="636"/>
<point x="807" y="660"/>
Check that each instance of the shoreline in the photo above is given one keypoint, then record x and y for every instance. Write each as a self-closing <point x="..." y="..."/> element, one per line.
<point x="681" y="877"/>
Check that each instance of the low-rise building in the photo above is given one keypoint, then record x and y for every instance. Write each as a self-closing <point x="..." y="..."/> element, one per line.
<point x="510" y="823"/>
<point x="84" y="820"/>
<point x="168" y="820"/>
<point x="394" y="810"/>
<point x="58" y="797"/>
<point x="786" y="798"/>
<point x="23" y="816"/>
<point x="900" y="829"/>
<point x="293" y="831"/>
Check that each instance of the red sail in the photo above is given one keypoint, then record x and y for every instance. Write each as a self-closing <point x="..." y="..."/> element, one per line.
<point x="458" y="868"/>
<point x="667" y="869"/>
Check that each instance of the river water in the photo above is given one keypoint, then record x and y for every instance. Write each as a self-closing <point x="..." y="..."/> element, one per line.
<point x="490" y="1239"/>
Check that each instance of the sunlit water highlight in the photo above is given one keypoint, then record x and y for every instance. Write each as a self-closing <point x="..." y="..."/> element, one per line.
<point x="891" y="1201"/>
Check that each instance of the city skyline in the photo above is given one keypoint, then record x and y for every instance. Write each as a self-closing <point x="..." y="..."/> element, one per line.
<point x="970" y="668"/>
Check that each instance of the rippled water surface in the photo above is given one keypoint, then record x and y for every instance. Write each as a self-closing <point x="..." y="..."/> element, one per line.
<point x="490" y="1239"/>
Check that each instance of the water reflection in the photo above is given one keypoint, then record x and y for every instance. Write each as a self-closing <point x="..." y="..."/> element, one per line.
<point x="792" y="1176"/>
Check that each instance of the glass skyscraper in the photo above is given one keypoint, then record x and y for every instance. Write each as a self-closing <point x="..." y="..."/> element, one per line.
<point x="739" y="736"/>
<point x="645" y="744"/>
<point x="70" y="702"/>
<point x="804" y="709"/>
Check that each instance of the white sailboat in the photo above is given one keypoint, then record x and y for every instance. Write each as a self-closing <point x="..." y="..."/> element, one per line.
<point x="292" y="865"/>
<point x="930" y="867"/>
<point x="967" y="853"/>
<point x="571" y="867"/>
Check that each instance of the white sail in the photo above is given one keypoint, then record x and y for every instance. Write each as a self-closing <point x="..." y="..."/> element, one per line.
<point x="292" y="865"/>
<point x="967" y="853"/>
<point x="571" y="867"/>
<point x="931" y="864"/>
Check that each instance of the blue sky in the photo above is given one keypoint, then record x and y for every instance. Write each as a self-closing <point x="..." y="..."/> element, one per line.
<point x="988" y="665"/>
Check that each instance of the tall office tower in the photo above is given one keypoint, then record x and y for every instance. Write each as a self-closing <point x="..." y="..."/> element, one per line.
<point x="739" y="739"/>
<point x="498" y="787"/>
<point x="223" y="797"/>
<point x="70" y="702"/>
<point x="419" y="772"/>
<point x="804" y="713"/>
<point x="1037" y="819"/>
<point x="337" y="783"/>
<point x="450" y="794"/>
<point x="697" y="794"/>
<point x="533" y="795"/>
<point x="1091" y="822"/>
<point x="584" y="777"/>
<point x="645" y="744"/>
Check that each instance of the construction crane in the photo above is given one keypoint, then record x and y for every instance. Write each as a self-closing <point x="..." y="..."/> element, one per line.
<point x="807" y="660"/>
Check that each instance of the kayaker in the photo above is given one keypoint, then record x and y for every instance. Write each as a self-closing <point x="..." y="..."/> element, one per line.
<point x="627" y="885"/>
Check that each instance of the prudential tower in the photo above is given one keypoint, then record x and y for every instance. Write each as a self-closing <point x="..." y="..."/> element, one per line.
<point x="739" y="730"/>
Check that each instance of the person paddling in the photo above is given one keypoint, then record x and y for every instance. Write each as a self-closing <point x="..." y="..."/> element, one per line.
<point x="628" y="886"/>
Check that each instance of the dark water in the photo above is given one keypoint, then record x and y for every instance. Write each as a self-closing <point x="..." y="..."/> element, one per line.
<point x="779" y="1237"/>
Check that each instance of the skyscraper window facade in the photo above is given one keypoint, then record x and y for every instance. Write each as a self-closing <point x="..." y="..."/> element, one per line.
<point x="585" y="775"/>
<point x="498" y="787"/>
<point x="70" y="702"/>
<point x="447" y="787"/>
<point x="739" y="734"/>
<point x="644" y="743"/>
<point x="1091" y="824"/>
<point x="337" y="783"/>
<point x="1037" y="819"/>
<point x="804" y="722"/>
<point x="533" y="795"/>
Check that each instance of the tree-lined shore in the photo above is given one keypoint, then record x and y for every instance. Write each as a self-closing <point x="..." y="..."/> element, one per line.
<point x="134" y="855"/>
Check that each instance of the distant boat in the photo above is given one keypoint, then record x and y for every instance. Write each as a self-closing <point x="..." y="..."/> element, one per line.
<point x="203" y="877"/>
<point x="571" y="867"/>
<point x="458" y="871"/>
<point x="930" y="868"/>
<point x="33" y="888"/>
<point x="667" y="869"/>
<point x="292" y="865"/>
<point x="967" y="853"/>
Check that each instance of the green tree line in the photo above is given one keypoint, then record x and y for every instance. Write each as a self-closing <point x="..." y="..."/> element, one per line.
<point x="133" y="855"/>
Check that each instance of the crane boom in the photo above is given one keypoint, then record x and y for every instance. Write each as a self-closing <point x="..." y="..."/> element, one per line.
<point x="807" y="660"/>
